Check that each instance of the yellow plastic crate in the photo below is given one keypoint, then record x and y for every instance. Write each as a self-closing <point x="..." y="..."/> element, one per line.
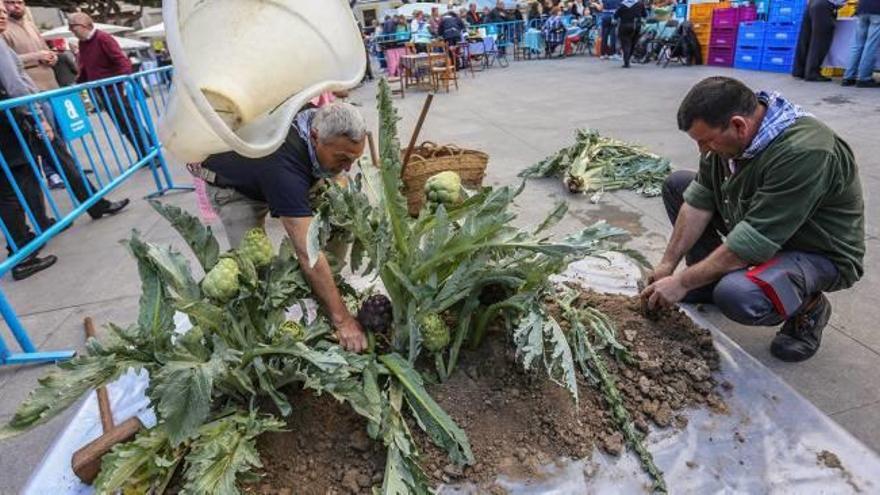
<point x="847" y="10"/>
<point x="702" y="12"/>
<point x="832" y="71"/>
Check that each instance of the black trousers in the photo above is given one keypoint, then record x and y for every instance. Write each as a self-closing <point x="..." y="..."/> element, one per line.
<point x="817" y="32"/>
<point x="76" y="180"/>
<point x="122" y="113"/>
<point x="12" y="212"/>
<point x="627" y="36"/>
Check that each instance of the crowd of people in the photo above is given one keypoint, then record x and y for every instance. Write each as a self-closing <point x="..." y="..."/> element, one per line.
<point x="29" y="66"/>
<point x="619" y="23"/>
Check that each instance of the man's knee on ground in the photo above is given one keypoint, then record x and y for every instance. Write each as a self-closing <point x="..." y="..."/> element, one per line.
<point x="742" y="301"/>
<point x="677" y="182"/>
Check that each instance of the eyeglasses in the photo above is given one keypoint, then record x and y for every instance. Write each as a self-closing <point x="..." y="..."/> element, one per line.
<point x="75" y="25"/>
<point x="11" y="2"/>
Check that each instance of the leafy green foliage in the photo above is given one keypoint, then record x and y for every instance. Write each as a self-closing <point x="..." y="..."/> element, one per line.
<point x="58" y="390"/>
<point x="149" y="461"/>
<point x="430" y="416"/>
<point x="598" y="163"/>
<point x="224" y="449"/>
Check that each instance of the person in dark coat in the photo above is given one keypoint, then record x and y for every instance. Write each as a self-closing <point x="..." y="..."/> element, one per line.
<point x="817" y="32"/>
<point x="629" y="17"/>
<point x="474" y="16"/>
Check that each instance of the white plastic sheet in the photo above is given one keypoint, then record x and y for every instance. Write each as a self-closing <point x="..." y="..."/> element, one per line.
<point x="768" y="443"/>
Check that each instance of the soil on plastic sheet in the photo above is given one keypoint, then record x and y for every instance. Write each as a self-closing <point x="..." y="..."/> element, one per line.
<point x="518" y="423"/>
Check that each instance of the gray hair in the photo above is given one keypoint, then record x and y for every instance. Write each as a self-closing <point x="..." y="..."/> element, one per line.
<point x="339" y="119"/>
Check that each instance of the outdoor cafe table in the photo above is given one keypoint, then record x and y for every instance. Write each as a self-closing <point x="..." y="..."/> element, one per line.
<point x="416" y="68"/>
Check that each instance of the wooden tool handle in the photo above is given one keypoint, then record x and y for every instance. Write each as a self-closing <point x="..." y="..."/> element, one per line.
<point x="103" y="396"/>
<point x="373" y="154"/>
<point x="86" y="462"/>
<point x="415" y="136"/>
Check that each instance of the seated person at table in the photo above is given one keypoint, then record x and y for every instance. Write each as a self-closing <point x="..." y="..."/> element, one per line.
<point x="421" y="32"/>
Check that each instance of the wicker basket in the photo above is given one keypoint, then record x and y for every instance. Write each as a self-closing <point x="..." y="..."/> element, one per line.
<point x="428" y="159"/>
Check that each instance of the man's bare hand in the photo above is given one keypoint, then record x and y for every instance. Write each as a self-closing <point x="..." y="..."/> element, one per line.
<point x="351" y="336"/>
<point x="660" y="272"/>
<point x="665" y="292"/>
<point x="48" y="57"/>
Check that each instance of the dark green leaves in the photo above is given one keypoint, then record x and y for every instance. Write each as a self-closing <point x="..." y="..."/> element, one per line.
<point x="198" y="236"/>
<point x="225" y="449"/>
<point x="429" y="415"/>
<point x="59" y="389"/>
<point x="183" y="389"/>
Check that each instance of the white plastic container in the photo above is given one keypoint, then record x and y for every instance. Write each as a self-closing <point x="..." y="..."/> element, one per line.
<point x="244" y="68"/>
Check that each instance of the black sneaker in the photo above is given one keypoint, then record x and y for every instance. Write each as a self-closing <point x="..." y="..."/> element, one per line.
<point x="800" y="336"/>
<point x="870" y="83"/>
<point x="32" y="265"/>
<point x="848" y="82"/>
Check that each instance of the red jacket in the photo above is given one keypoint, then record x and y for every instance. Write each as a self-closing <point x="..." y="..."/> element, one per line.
<point x="100" y="58"/>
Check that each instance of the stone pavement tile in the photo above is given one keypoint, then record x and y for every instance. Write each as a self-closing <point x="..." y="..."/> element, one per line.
<point x="841" y="376"/>
<point x="851" y="314"/>
<point x="20" y="456"/>
<point x="863" y="422"/>
<point x="38" y="326"/>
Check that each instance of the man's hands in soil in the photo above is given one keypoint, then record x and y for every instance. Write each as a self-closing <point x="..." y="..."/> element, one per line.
<point x="664" y="292"/>
<point x="351" y="336"/>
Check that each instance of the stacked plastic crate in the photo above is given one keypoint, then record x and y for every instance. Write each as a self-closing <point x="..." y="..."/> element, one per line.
<point x="723" y="39"/>
<point x="781" y="34"/>
<point x="700" y="16"/>
<point x="749" y="45"/>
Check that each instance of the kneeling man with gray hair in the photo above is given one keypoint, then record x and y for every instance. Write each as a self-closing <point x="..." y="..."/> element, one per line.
<point x="321" y="144"/>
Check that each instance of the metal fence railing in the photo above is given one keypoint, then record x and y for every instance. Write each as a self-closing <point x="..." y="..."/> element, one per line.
<point x="102" y="132"/>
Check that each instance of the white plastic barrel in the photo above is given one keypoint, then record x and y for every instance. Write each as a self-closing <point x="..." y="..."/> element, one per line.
<point x="244" y="68"/>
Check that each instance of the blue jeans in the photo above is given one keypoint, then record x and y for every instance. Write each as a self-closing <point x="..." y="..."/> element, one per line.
<point x="864" y="49"/>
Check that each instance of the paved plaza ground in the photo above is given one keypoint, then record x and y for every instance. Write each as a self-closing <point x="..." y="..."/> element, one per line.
<point x="518" y="115"/>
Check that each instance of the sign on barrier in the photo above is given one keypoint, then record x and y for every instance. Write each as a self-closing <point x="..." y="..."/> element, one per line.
<point x="71" y="116"/>
<point x="120" y="133"/>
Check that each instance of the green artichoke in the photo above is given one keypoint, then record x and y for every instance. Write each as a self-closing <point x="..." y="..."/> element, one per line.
<point x="257" y="247"/>
<point x="221" y="282"/>
<point x="296" y="331"/>
<point x="435" y="333"/>
<point x="444" y="188"/>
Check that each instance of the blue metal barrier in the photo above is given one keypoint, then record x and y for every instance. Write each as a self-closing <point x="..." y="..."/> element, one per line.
<point x="125" y="104"/>
<point x="507" y="34"/>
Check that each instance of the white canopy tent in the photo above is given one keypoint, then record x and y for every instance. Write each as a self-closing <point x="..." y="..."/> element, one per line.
<point x="408" y="9"/>
<point x="124" y="43"/>
<point x="64" y="32"/>
<point x="154" y="31"/>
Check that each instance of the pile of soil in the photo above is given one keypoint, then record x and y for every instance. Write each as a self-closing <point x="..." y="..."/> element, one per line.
<point x="517" y="422"/>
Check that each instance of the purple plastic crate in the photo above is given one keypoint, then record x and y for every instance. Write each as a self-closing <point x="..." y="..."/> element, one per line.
<point x="723" y="38"/>
<point x="745" y="14"/>
<point x="720" y="56"/>
<point x="724" y="18"/>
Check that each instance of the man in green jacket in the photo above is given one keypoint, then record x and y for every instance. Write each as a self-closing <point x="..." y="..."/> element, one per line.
<point x="773" y="218"/>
